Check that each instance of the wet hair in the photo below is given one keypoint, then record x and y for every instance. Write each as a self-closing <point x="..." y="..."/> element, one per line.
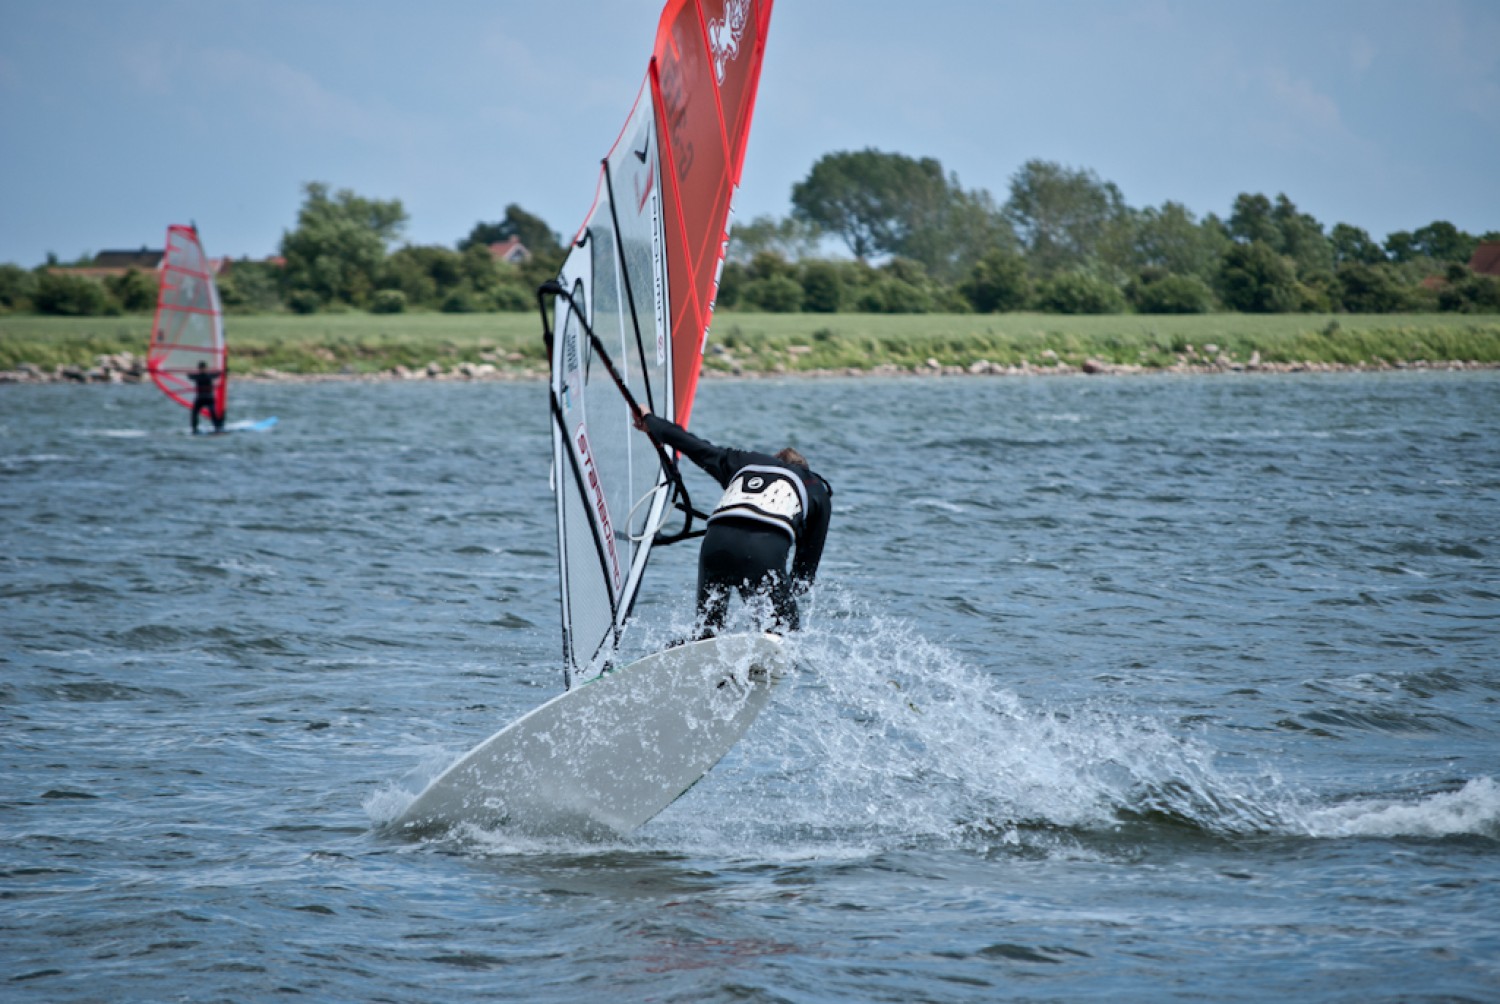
<point x="791" y="456"/>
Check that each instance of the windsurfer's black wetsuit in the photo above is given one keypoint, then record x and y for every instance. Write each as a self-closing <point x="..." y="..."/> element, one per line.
<point x="203" y="400"/>
<point x="754" y="527"/>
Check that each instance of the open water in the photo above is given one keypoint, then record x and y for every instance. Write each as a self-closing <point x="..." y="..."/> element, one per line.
<point x="1113" y="689"/>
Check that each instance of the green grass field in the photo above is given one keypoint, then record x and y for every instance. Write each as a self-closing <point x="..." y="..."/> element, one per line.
<point x="371" y="343"/>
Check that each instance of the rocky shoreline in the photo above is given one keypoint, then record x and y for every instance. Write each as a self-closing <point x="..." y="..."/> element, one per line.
<point x="128" y="368"/>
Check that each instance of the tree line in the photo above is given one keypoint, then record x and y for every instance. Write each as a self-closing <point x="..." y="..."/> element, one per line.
<point x="914" y="241"/>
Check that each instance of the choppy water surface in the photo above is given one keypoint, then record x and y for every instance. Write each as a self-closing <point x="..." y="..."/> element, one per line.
<point x="1113" y="689"/>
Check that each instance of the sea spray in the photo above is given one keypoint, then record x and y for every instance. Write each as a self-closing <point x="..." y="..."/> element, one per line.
<point x="882" y="739"/>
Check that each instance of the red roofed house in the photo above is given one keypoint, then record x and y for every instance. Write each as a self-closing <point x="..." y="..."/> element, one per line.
<point x="511" y="250"/>
<point x="1486" y="260"/>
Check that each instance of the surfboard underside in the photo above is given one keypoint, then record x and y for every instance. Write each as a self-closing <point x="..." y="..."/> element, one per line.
<point x="605" y="757"/>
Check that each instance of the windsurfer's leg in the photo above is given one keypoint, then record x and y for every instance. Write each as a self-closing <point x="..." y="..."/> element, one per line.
<point x="195" y="418"/>
<point x="713" y="606"/>
<point x="783" y="605"/>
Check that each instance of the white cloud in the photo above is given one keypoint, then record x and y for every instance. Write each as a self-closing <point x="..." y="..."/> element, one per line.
<point x="1303" y="108"/>
<point x="147" y="65"/>
<point x="1362" y="53"/>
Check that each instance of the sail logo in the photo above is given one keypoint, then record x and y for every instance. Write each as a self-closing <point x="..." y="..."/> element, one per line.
<point x="606" y="528"/>
<point x="724" y="36"/>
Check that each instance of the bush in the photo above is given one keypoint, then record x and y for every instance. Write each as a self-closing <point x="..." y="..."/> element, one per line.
<point x="388" y="301"/>
<point x="512" y="299"/>
<point x="250" y="287"/>
<point x="16" y="287"/>
<point x="304" y="301"/>
<point x="134" y="291"/>
<point x="822" y="289"/>
<point x="997" y="283"/>
<point x="460" y="301"/>
<point x="1369" y="289"/>
<point x="1174" y="294"/>
<point x="1476" y="294"/>
<point x="1255" y="279"/>
<point x="70" y="296"/>
<point x="1077" y="293"/>
<point x="889" y="295"/>
<point x="778" y="294"/>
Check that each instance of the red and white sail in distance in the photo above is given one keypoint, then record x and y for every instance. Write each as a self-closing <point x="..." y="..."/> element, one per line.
<point x="641" y="278"/>
<point x="189" y="325"/>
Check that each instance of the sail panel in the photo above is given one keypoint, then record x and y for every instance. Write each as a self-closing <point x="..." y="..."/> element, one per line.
<point x="610" y="484"/>
<point x="188" y="328"/>
<point x="707" y="65"/>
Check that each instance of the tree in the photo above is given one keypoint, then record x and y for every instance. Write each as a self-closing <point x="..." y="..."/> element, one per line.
<point x="873" y="201"/>
<point x="1442" y="241"/>
<point x="1282" y="228"/>
<point x="531" y="230"/>
<point x="1170" y="239"/>
<point x="1352" y="245"/>
<point x="1062" y="216"/>
<point x="792" y="238"/>
<point x="1401" y="247"/>
<point x="1250" y="220"/>
<point x="1255" y="279"/>
<point x="997" y="282"/>
<point x="956" y="235"/>
<point x="336" y="252"/>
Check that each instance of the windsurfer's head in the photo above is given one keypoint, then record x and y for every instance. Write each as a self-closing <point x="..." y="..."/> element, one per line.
<point x="791" y="456"/>
<point x="202" y="365"/>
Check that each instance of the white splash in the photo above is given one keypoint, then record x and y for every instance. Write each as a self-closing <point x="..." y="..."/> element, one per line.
<point x="1474" y="810"/>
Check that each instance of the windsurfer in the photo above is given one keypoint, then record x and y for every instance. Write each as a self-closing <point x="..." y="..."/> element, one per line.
<point x="770" y="505"/>
<point x="203" y="400"/>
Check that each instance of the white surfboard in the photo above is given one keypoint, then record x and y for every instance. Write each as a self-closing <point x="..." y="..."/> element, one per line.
<point x="606" y="756"/>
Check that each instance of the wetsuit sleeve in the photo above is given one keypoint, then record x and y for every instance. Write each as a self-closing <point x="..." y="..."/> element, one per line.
<point x="720" y="462"/>
<point x="814" y="535"/>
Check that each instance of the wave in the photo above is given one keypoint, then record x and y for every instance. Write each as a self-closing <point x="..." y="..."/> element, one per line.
<point x="1472" y="810"/>
<point x="881" y="740"/>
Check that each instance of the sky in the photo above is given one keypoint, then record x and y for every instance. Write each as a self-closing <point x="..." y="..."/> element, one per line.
<point x="119" y="117"/>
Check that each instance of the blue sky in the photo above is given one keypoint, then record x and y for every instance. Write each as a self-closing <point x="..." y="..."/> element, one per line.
<point x="120" y="117"/>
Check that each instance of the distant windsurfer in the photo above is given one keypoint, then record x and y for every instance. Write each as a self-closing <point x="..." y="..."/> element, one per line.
<point x="204" y="399"/>
<point x="770" y="505"/>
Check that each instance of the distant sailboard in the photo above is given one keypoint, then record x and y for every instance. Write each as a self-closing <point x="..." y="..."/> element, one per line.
<point x="625" y="324"/>
<point x="189" y="325"/>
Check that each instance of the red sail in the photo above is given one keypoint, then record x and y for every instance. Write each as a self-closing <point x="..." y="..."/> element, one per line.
<point x="189" y="327"/>
<point x="704" y="74"/>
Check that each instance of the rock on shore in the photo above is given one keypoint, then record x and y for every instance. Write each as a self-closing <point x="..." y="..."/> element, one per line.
<point x="126" y="367"/>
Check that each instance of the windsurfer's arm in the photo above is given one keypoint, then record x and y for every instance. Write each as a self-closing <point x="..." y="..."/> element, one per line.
<point x="716" y="460"/>
<point x="814" y="536"/>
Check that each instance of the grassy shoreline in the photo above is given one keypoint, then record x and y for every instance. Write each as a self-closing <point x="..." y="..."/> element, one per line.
<point x="510" y="345"/>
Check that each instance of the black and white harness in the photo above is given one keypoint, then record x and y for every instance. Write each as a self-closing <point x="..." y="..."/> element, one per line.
<point x="774" y="496"/>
